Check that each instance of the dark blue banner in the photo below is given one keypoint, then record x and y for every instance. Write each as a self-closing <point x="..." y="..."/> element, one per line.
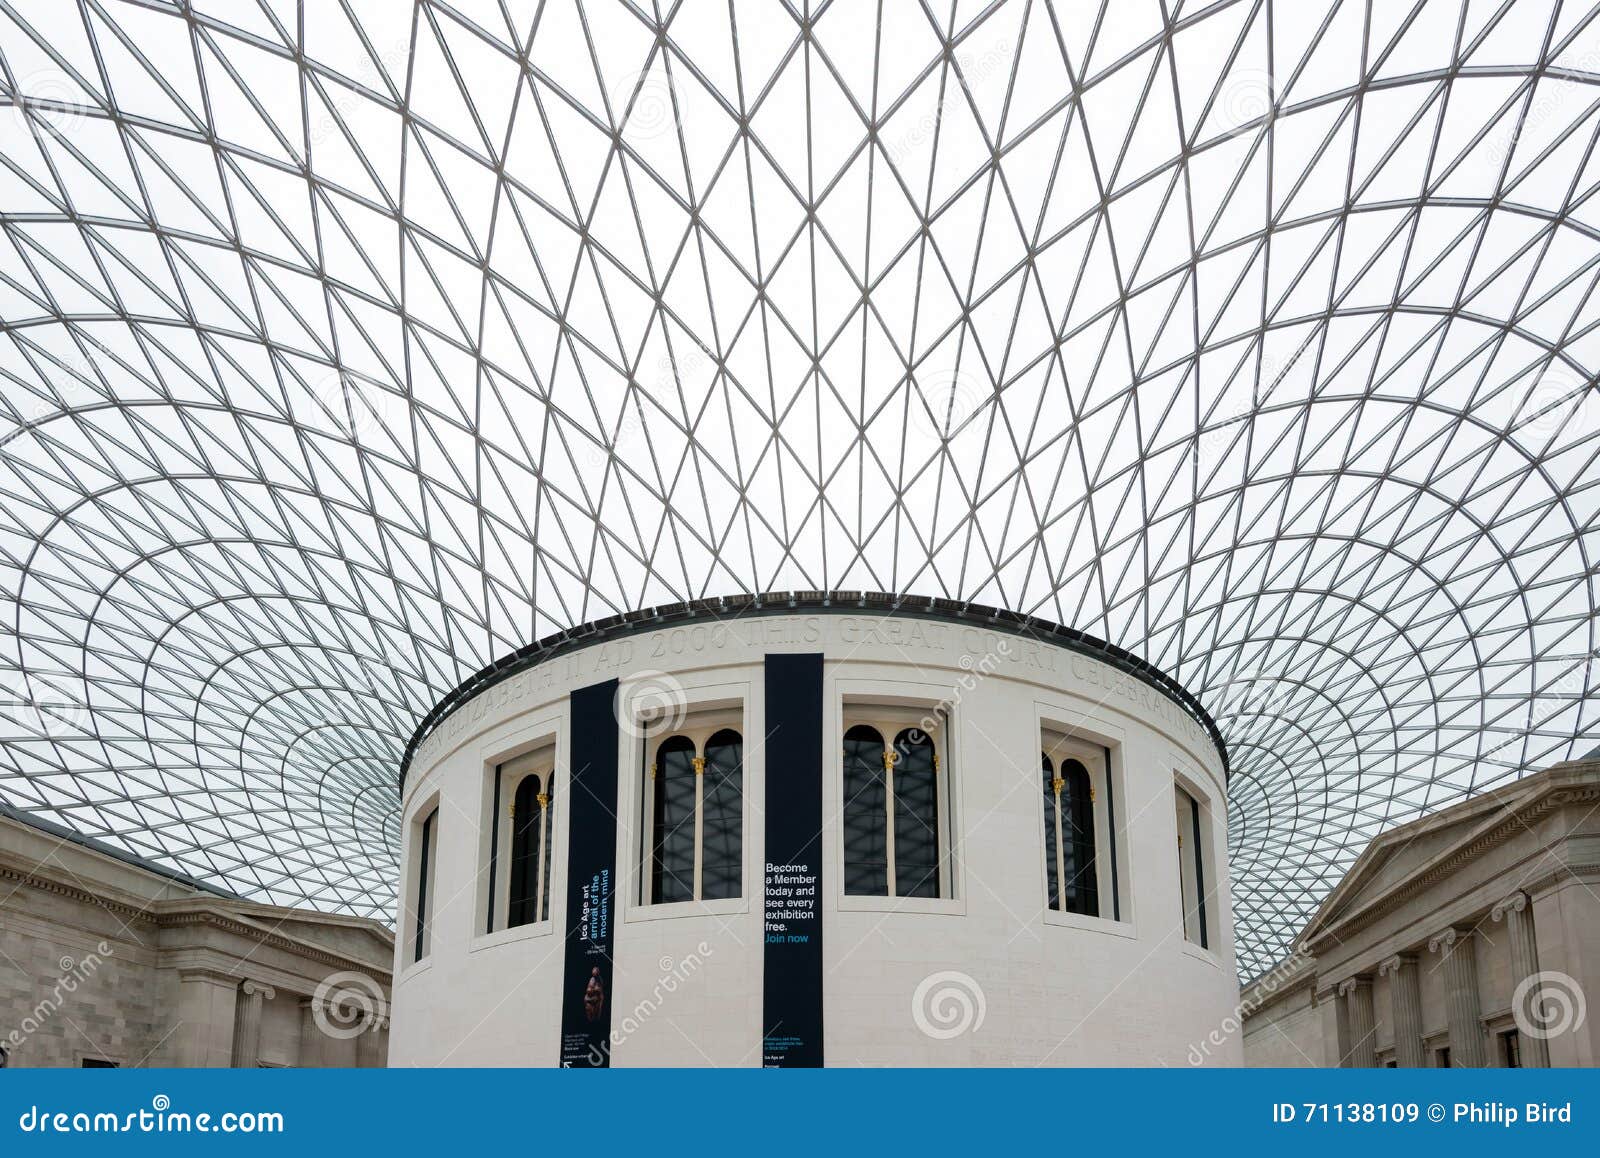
<point x="791" y="982"/>
<point x="591" y="879"/>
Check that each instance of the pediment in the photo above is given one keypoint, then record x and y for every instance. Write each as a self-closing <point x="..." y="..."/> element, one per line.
<point x="1411" y="850"/>
<point x="348" y="939"/>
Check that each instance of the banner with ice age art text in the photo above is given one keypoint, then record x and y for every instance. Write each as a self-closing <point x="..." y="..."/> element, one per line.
<point x="591" y="879"/>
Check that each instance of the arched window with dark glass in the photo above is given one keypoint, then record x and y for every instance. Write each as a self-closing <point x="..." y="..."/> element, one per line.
<point x="722" y="843"/>
<point x="1052" y="836"/>
<point x="672" y="814"/>
<point x="915" y="780"/>
<point x="1075" y="807"/>
<point x="527" y="883"/>
<point x="866" y="845"/>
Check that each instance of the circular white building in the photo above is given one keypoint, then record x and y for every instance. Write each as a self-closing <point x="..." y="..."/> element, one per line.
<point x="815" y="829"/>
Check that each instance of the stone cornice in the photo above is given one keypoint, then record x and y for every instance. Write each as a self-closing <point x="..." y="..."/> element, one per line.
<point x="33" y="879"/>
<point x="228" y="923"/>
<point x="1517" y="820"/>
<point x="203" y="911"/>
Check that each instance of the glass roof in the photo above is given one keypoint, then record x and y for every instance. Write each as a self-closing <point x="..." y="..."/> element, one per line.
<point x="349" y="345"/>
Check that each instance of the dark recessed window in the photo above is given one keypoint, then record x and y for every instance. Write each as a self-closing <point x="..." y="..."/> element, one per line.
<point x="722" y="843"/>
<point x="529" y="883"/>
<point x="896" y="823"/>
<point x="426" y="835"/>
<point x="866" y="843"/>
<point x="695" y="802"/>
<point x="1070" y="867"/>
<point x="1511" y="1049"/>
<point x="1192" y="838"/>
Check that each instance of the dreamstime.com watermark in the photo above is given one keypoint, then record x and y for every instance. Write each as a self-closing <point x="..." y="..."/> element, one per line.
<point x="651" y="701"/>
<point x="973" y="673"/>
<point x="644" y="104"/>
<point x="913" y="138"/>
<point x="74" y="973"/>
<point x="1556" y="401"/>
<point x="673" y="975"/>
<point x="357" y="406"/>
<point x="944" y="401"/>
<point x="1551" y="96"/>
<point x="158" y="1118"/>
<point x="1244" y="100"/>
<point x="1261" y="991"/>
<point x="51" y="99"/>
<point x="37" y="707"/>
<point x="348" y="1004"/>
<point x="948" y="1004"/>
<point x="380" y="70"/>
<point x="1548" y="1004"/>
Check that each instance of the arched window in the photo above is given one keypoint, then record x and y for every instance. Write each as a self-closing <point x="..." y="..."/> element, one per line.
<point x="529" y="882"/>
<point x="1075" y="814"/>
<point x="1052" y="835"/>
<point x="916" y="815"/>
<point x="722" y="846"/>
<point x="695" y="801"/>
<point x="1077" y="825"/>
<point x="895" y="844"/>
<point x="1069" y="838"/>
<point x="674" y="791"/>
<point x="866" y="845"/>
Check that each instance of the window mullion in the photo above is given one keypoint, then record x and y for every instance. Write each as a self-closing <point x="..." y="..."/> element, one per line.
<point x="1061" y="849"/>
<point x="699" y="825"/>
<point x="944" y="845"/>
<point x="651" y="836"/>
<point x="540" y="902"/>
<point x="888" y="817"/>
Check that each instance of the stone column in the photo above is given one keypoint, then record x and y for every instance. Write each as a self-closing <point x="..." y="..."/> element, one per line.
<point x="372" y="1047"/>
<point x="1341" y="1026"/>
<point x="247" y="1024"/>
<point x="311" y="1035"/>
<point x="1461" y="996"/>
<point x="1405" y="996"/>
<point x="204" y="1034"/>
<point x="1362" y="1049"/>
<point x="1517" y="913"/>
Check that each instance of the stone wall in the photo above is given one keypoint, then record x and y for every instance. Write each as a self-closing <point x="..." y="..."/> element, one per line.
<point x="1468" y="931"/>
<point x="107" y="960"/>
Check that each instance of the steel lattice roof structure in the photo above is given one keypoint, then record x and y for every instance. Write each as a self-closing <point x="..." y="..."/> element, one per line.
<point x="346" y="346"/>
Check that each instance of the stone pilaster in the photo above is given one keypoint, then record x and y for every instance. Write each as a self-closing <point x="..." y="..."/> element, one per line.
<point x="1362" y="1049"/>
<point x="1463" y="1012"/>
<point x="372" y="1047"/>
<point x="1341" y="1026"/>
<point x="1517" y="913"/>
<point x="247" y="1024"/>
<point x="206" y="1006"/>
<point x="312" y="1038"/>
<point x="1405" y="1003"/>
